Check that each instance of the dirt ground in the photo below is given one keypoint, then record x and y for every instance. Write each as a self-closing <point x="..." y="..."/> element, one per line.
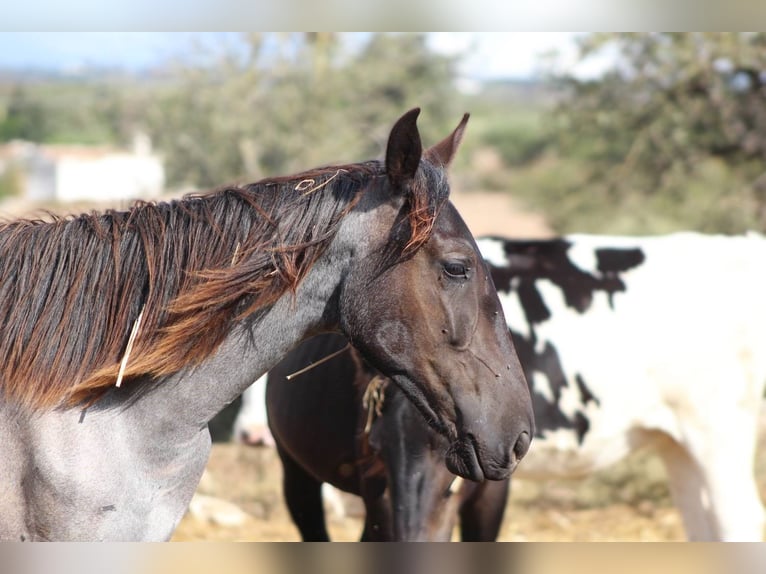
<point x="629" y="502"/>
<point x="549" y="511"/>
<point x="498" y="214"/>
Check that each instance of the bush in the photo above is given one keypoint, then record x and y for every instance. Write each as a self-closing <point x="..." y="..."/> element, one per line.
<point x="711" y="200"/>
<point x="517" y="145"/>
<point x="10" y="182"/>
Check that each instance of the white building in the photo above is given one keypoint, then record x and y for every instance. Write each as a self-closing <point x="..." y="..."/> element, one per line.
<point x="65" y="173"/>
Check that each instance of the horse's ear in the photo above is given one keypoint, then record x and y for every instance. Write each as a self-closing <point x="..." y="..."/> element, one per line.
<point x="443" y="152"/>
<point x="404" y="150"/>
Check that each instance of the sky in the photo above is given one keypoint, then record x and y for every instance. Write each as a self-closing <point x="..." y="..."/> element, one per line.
<point x="63" y="51"/>
<point x="493" y="55"/>
<point x="487" y="55"/>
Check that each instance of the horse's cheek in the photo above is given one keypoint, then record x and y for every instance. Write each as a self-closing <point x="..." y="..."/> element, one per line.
<point x="392" y="340"/>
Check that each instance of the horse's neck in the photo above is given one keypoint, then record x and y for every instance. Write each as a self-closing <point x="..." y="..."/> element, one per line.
<point x="257" y="344"/>
<point x="252" y="348"/>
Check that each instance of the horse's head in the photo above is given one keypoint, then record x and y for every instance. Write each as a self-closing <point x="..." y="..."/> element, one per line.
<point x="429" y="317"/>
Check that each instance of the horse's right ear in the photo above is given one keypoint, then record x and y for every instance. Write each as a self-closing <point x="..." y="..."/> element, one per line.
<point x="404" y="150"/>
<point x="443" y="152"/>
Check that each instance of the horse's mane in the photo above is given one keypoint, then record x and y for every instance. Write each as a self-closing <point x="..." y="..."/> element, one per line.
<point x="72" y="289"/>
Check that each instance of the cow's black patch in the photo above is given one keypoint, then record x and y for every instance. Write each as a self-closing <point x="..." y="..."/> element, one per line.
<point x="548" y="414"/>
<point x="612" y="261"/>
<point x="586" y="395"/>
<point x="581" y="426"/>
<point x="528" y="263"/>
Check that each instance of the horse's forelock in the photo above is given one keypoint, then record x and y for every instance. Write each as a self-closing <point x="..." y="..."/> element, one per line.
<point x="424" y="198"/>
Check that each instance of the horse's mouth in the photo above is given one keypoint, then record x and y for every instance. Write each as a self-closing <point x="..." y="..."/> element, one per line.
<point x="463" y="459"/>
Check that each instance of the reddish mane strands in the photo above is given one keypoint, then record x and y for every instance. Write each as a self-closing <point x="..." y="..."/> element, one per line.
<point x="424" y="207"/>
<point x="72" y="288"/>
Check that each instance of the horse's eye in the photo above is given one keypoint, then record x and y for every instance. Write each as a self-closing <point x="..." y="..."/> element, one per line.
<point x="456" y="269"/>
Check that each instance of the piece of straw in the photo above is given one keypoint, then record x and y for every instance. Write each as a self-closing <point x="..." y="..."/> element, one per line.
<point x="454" y="488"/>
<point x="319" y="362"/>
<point x="372" y="400"/>
<point x="305" y="185"/>
<point x="129" y="347"/>
<point x="234" y="257"/>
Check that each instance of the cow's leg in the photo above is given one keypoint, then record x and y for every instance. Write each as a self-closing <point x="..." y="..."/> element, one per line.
<point x="332" y="497"/>
<point x="303" y="496"/>
<point x="712" y="479"/>
<point x="481" y="514"/>
<point x="726" y="456"/>
<point x="688" y="489"/>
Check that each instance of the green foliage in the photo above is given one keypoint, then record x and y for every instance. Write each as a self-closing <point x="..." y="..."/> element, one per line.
<point x="518" y="138"/>
<point x="69" y="112"/>
<point x="714" y="199"/>
<point x="10" y="182"/>
<point x="673" y="135"/>
<point x="279" y="103"/>
<point x="267" y="104"/>
<point x="24" y="118"/>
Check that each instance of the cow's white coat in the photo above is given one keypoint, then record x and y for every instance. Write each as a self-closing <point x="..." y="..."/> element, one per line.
<point x="251" y="426"/>
<point x="678" y="363"/>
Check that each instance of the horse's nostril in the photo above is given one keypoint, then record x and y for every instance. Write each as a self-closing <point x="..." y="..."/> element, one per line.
<point x="522" y="445"/>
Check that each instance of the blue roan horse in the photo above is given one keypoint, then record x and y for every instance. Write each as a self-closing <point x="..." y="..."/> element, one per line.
<point x="124" y="333"/>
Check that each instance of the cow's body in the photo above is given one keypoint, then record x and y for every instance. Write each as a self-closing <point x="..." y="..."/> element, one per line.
<point x="628" y="342"/>
<point x="250" y="426"/>
<point x="631" y="342"/>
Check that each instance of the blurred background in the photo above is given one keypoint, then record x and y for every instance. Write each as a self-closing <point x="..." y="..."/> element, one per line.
<point x="599" y="132"/>
<point x="610" y="133"/>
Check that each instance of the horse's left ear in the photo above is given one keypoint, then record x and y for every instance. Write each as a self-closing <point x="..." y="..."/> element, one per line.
<point x="404" y="150"/>
<point x="443" y="152"/>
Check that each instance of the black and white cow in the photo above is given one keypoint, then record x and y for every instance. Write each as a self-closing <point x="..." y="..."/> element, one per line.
<point x="631" y="342"/>
<point x="655" y="341"/>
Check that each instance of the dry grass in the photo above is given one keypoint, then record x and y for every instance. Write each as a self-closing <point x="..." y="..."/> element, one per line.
<point x="629" y="502"/>
<point x="553" y="510"/>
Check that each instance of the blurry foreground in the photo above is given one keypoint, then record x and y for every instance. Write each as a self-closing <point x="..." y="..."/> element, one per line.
<point x="630" y="502"/>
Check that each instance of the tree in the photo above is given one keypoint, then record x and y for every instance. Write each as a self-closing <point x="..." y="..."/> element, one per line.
<point x="671" y="110"/>
<point x="24" y="118"/>
<point x="276" y="103"/>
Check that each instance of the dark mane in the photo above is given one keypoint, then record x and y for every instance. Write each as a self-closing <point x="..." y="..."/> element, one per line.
<point x="72" y="289"/>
